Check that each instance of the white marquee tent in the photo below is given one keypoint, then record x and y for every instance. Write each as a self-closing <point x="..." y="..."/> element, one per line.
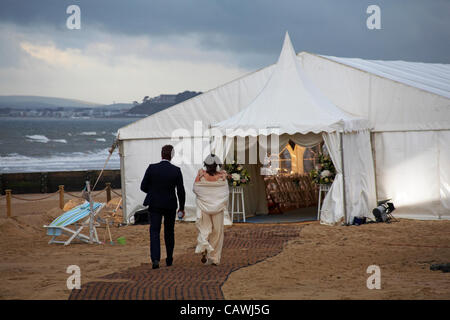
<point x="407" y="106"/>
<point x="290" y="104"/>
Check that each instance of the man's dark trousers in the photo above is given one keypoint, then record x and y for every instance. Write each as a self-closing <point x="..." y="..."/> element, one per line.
<point x="155" y="230"/>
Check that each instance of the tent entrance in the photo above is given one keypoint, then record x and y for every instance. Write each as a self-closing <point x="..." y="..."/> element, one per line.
<point x="296" y="215"/>
<point x="291" y="192"/>
<point x="287" y="192"/>
<point x="281" y="189"/>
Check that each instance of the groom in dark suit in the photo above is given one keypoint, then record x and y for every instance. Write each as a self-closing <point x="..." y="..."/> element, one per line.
<point x="160" y="181"/>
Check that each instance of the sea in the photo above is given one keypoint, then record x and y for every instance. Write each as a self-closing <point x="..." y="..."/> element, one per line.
<point x="58" y="144"/>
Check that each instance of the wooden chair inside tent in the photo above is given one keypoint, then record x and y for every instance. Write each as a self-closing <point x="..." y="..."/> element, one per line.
<point x="292" y="188"/>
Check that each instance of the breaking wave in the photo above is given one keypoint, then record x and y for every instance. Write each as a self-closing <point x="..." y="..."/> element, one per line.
<point x="38" y="138"/>
<point x="44" y="139"/>
<point x="75" y="161"/>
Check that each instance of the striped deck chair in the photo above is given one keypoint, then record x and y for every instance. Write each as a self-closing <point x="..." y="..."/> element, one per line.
<point x="74" y="217"/>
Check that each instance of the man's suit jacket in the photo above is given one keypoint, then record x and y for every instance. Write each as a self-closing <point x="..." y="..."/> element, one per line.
<point x="160" y="181"/>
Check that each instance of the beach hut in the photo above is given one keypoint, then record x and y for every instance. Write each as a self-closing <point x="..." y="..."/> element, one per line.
<point x="406" y="106"/>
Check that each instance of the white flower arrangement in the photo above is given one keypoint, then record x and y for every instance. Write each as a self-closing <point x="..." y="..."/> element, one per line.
<point x="237" y="174"/>
<point x="325" y="173"/>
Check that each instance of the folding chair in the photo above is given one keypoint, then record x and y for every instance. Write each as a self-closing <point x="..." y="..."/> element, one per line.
<point x="61" y="224"/>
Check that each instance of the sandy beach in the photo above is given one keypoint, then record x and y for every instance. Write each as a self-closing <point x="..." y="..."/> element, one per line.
<point x="331" y="263"/>
<point x="322" y="263"/>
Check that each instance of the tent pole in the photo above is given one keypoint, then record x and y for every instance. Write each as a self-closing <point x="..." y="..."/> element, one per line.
<point x="122" y="182"/>
<point x="374" y="158"/>
<point x="343" y="177"/>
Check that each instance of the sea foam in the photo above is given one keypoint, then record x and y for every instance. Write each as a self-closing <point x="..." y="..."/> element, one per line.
<point x="44" y="139"/>
<point x="38" y="138"/>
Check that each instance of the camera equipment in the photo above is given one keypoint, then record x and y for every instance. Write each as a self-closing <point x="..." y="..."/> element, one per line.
<point x="383" y="213"/>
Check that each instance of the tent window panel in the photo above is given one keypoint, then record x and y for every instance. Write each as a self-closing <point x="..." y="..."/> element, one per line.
<point x="285" y="161"/>
<point x="297" y="159"/>
<point x="311" y="158"/>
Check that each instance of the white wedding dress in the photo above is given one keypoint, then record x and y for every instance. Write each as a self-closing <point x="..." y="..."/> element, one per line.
<point x="212" y="203"/>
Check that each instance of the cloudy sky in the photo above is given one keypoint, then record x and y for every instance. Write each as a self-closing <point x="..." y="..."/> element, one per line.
<point x="126" y="50"/>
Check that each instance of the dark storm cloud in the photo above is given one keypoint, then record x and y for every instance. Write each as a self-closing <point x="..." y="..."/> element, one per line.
<point x="411" y="30"/>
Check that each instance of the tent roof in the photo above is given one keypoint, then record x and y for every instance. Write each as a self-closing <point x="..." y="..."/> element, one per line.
<point x="429" y="91"/>
<point x="431" y="77"/>
<point x="290" y="103"/>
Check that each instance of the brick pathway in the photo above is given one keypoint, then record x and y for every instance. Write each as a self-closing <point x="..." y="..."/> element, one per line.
<point x="188" y="278"/>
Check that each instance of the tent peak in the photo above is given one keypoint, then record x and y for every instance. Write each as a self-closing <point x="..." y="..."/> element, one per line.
<point x="292" y="102"/>
<point x="287" y="51"/>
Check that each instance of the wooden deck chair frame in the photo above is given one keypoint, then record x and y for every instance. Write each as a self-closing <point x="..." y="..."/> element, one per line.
<point x="76" y="233"/>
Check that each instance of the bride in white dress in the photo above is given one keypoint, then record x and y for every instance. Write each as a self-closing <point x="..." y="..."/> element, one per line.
<point x="211" y="189"/>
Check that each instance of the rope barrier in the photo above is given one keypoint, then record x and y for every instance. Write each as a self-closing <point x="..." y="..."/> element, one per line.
<point x="72" y="195"/>
<point x="111" y="150"/>
<point x="90" y="194"/>
<point x="100" y="191"/>
<point x="117" y="194"/>
<point x="54" y="193"/>
<point x="38" y="199"/>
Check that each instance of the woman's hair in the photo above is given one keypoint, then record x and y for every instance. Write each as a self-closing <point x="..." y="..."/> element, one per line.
<point x="211" y="163"/>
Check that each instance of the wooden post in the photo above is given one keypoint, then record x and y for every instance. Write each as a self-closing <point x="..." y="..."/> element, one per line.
<point x="61" y="196"/>
<point x="8" y="203"/>
<point x="108" y="192"/>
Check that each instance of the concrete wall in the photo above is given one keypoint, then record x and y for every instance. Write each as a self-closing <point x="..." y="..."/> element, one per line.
<point x="48" y="182"/>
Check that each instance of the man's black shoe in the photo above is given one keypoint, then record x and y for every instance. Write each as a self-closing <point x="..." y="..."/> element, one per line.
<point x="155" y="264"/>
<point x="169" y="262"/>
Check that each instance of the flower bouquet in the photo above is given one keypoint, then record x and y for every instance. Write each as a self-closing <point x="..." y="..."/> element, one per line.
<point x="324" y="173"/>
<point x="237" y="174"/>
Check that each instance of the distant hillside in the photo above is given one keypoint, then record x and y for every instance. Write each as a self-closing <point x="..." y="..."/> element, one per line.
<point x="38" y="102"/>
<point x="150" y="106"/>
<point x="117" y="106"/>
